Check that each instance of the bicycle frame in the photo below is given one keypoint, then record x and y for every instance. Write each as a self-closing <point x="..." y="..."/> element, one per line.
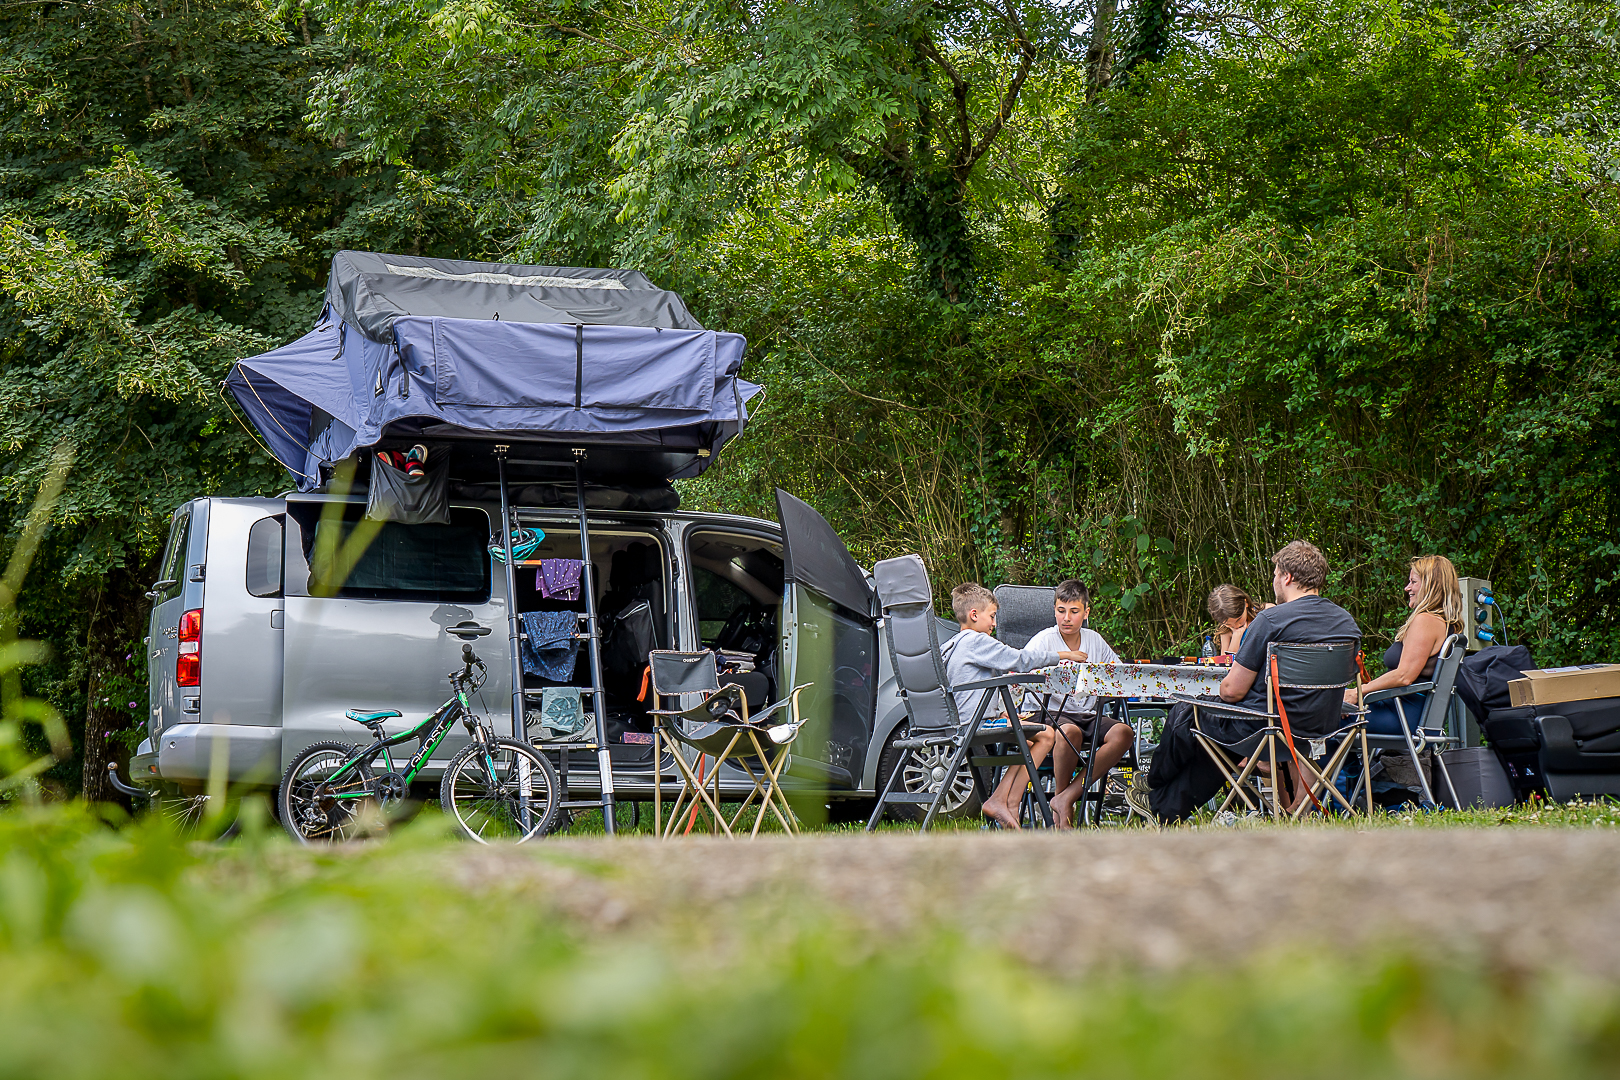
<point x="431" y="731"/>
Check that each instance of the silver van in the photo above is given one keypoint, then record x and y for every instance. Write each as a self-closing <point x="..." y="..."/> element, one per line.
<point x="253" y="655"/>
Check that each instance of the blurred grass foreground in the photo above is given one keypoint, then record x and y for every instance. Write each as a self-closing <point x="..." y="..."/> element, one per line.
<point x="126" y="951"/>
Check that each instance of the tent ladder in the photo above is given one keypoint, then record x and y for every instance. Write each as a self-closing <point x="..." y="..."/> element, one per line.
<point x="593" y="644"/>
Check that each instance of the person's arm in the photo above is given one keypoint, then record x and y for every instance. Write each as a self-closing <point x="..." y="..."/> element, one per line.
<point x="1237" y="684"/>
<point x="1421" y="642"/>
<point x="1246" y="662"/>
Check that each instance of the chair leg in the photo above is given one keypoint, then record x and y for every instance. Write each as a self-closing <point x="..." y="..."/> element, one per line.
<point x="1411" y="748"/>
<point x="957" y="759"/>
<point x="1235" y="776"/>
<point x="888" y="786"/>
<point x="1440" y="763"/>
<point x="1029" y="759"/>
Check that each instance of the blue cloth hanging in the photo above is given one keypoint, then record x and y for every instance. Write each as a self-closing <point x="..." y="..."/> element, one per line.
<point x="549" y="647"/>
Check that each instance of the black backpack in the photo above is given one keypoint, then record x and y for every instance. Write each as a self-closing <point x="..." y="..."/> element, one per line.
<point x="1482" y="679"/>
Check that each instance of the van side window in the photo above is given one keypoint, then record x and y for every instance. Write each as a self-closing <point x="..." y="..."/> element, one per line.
<point x="264" y="556"/>
<point x="331" y="551"/>
<point x="174" y="557"/>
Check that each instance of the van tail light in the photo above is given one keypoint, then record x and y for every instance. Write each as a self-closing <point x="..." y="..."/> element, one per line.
<point x="188" y="665"/>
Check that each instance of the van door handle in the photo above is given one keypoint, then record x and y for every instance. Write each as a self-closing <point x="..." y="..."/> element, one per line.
<point x="467" y="630"/>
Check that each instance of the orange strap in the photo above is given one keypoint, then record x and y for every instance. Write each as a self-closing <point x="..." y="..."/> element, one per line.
<point x="646" y="675"/>
<point x="1288" y="733"/>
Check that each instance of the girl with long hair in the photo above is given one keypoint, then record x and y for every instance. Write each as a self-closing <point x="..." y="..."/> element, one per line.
<point x="1232" y="611"/>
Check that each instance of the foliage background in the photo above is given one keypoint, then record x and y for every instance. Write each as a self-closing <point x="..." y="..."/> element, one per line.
<point x="1134" y="291"/>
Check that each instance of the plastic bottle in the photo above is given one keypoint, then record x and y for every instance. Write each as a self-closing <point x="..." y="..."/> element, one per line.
<point x="1209" y="648"/>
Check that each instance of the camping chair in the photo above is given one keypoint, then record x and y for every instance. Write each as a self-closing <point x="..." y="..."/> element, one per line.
<point x="714" y="730"/>
<point x="1301" y="666"/>
<point x="909" y="623"/>
<point x="1429" y="731"/>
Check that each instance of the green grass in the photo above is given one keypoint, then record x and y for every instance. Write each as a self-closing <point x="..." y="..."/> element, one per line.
<point x="1590" y="814"/>
<point x="129" y="952"/>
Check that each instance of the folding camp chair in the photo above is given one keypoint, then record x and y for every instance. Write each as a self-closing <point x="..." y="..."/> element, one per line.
<point x="909" y="623"/>
<point x="1290" y="666"/>
<point x="719" y="728"/>
<point x="1429" y="731"/>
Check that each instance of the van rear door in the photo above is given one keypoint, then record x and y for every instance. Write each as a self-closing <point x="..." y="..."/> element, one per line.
<point x="829" y="638"/>
<point x="168" y="699"/>
<point x="376" y="614"/>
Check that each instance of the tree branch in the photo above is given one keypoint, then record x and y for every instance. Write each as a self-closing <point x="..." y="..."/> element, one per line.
<point x="1009" y="100"/>
<point x="959" y="91"/>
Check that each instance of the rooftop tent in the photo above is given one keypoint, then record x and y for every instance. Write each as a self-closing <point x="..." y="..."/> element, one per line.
<point x="443" y="350"/>
<point x="543" y="359"/>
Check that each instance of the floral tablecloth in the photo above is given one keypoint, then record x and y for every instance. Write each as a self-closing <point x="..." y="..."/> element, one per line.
<point x="1129" y="680"/>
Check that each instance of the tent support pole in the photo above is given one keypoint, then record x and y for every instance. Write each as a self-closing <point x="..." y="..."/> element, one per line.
<point x="593" y="642"/>
<point x="515" y="646"/>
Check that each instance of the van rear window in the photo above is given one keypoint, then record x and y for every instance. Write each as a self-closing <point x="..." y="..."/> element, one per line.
<point x="335" y="553"/>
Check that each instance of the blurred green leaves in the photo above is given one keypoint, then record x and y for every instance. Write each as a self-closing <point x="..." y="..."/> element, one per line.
<point x="136" y="954"/>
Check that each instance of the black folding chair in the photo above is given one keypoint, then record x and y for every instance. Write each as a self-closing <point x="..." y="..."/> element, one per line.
<point x="1303" y="668"/>
<point x="909" y="623"/>
<point x="1428" y="731"/>
<point x="718" y="727"/>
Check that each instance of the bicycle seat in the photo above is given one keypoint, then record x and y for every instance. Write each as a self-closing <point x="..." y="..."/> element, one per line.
<point x="370" y="719"/>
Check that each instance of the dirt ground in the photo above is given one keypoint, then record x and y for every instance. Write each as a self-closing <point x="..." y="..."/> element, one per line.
<point x="1521" y="898"/>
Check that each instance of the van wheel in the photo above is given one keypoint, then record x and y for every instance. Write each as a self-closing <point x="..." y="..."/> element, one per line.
<point x="193" y="815"/>
<point x="925" y="771"/>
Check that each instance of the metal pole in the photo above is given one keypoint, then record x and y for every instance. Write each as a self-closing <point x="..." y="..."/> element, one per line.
<point x="604" y="760"/>
<point x="519" y="731"/>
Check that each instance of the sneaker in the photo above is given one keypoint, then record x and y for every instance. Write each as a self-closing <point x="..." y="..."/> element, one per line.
<point x="1137" y="795"/>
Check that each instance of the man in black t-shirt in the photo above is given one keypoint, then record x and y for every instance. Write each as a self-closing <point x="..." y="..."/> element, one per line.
<point x="1182" y="777"/>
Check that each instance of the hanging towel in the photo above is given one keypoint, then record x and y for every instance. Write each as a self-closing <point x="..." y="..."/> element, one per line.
<point x="549" y="648"/>
<point x="558" y="579"/>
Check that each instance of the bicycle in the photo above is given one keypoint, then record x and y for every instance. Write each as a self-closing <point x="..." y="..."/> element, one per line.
<point x="495" y="789"/>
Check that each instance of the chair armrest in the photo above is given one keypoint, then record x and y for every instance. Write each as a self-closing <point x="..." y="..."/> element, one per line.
<point x="791" y="702"/>
<point x="1015" y="679"/>
<point x="1375" y="696"/>
<point x="1222" y="707"/>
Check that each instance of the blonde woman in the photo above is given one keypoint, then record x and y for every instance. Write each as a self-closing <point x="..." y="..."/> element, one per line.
<point x="1232" y="611"/>
<point x="1436" y="602"/>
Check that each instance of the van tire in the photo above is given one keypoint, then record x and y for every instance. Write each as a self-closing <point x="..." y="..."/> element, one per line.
<point x="956" y="809"/>
<point x="293" y="805"/>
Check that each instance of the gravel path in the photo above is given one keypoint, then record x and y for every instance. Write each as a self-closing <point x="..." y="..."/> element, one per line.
<point x="1521" y="898"/>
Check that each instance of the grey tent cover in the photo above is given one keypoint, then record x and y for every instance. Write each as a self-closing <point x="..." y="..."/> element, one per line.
<point x="411" y="348"/>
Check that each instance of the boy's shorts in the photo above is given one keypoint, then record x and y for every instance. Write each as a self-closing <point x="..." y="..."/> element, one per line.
<point x="1091" y="725"/>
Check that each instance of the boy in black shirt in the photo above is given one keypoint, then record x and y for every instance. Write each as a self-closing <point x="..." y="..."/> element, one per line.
<point x="1182" y="777"/>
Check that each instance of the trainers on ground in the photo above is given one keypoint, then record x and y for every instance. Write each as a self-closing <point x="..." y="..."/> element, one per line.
<point x="1137" y="795"/>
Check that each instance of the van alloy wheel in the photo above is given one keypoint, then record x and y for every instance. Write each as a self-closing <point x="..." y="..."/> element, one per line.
<point x="924" y="772"/>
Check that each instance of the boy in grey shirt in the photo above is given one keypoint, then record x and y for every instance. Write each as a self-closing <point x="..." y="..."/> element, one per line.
<point x="973" y="655"/>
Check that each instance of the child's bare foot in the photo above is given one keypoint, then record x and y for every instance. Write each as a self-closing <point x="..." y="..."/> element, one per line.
<point x="1000" y="814"/>
<point x="1063" y="811"/>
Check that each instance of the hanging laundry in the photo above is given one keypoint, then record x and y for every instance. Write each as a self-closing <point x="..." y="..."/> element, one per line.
<point x="558" y="579"/>
<point x="549" y="647"/>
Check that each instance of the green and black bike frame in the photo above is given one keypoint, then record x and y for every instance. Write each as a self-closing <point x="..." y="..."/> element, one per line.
<point x="431" y="732"/>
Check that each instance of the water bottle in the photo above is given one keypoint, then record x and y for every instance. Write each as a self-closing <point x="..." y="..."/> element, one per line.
<point x="1209" y="647"/>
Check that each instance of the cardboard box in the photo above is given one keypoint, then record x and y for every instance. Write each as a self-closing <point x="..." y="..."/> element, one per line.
<point x="1551" y="685"/>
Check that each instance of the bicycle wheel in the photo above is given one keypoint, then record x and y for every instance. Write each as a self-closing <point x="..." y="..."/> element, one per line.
<point x="503" y="790"/>
<point x="314" y="811"/>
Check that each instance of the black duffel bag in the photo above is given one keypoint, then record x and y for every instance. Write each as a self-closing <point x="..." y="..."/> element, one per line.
<point x="1483" y="677"/>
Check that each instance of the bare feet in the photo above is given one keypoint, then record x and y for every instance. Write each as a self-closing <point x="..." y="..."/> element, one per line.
<point x="1000" y="814"/>
<point x="1063" y="809"/>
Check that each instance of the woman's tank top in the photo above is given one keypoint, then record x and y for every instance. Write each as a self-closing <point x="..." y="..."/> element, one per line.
<point x="1392" y="660"/>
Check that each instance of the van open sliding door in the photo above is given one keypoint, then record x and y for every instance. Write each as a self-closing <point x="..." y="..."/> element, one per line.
<point x="829" y="639"/>
<point x="376" y="615"/>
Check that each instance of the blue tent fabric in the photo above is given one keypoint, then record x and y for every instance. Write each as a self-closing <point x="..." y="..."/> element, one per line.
<point x="655" y="387"/>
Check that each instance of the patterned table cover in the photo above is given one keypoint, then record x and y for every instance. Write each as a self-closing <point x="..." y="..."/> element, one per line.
<point x="1129" y="680"/>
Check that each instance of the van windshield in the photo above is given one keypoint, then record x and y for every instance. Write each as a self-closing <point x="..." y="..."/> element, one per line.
<point x="339" y="554"/>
